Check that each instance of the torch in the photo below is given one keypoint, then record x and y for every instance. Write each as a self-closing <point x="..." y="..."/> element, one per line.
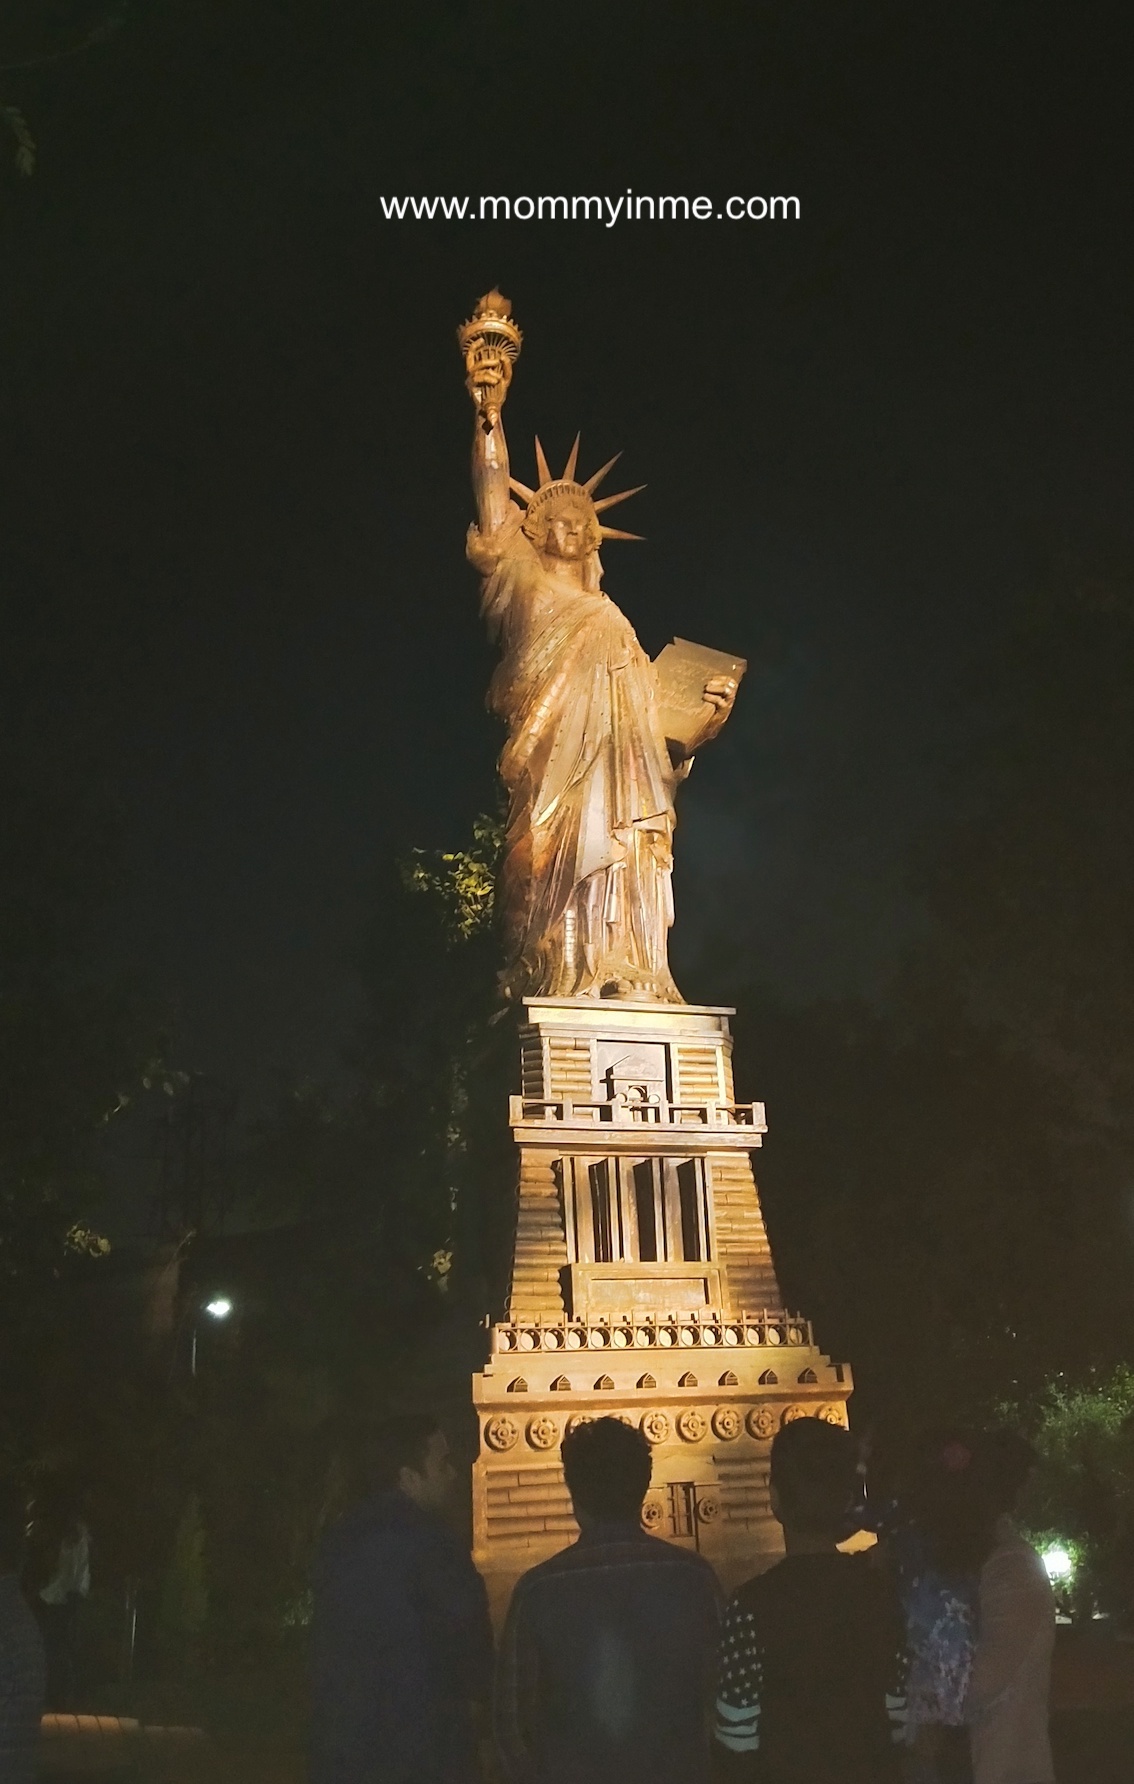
<point x="490" y="342"/>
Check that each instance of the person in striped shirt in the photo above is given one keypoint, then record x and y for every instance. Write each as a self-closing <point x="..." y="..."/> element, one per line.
<point x="811" y="1671"/>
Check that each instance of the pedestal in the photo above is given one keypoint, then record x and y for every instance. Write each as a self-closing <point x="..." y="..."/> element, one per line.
<point x="642" y="1287"/>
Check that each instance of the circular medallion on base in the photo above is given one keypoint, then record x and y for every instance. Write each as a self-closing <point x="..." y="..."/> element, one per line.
<point x="691" y="1424"/>
<point x="726" y="1423"/>
<point x="791" y="1413"/>
<point x="501" y="1432"/>
<point x="835" y="1414"/>
<point x="708" y="1507"/>
<point x="543" y="1432"/>
<point x="761" y="1422"/>
<point x="653" y="1514"/>
<point x="655" y="1426"/>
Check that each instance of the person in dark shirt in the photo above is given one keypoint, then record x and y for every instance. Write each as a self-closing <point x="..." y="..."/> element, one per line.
<point x="605" y="1671"/>
<point x="810" y="1684"/>
<point x="401" y="1639"/>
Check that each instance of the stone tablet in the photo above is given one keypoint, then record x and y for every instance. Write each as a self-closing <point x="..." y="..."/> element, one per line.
<point x="683" y="669"/>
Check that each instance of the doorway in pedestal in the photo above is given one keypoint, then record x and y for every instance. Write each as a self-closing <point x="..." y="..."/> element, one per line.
<point x="673" y="1512"/>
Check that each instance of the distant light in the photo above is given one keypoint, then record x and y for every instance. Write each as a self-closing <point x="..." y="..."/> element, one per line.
<point x="1058" y="1563"/>
<point x="218" y="1309"/>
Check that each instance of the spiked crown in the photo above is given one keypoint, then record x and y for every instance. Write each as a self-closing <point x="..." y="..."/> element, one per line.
<point x="564" y="492"/>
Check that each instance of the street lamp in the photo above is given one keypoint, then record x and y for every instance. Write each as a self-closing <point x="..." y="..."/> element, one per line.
<point x="218" y="1307"/>
<point x="1059" y="1564"/>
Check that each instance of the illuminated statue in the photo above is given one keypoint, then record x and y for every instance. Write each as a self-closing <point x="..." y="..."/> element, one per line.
<point x="598" y="735"/>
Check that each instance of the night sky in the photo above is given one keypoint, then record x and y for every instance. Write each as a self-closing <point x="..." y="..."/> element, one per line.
<point x="235" y="437"/>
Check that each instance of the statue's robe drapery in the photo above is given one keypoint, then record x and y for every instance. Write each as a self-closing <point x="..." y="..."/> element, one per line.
<point x="586" y="893"/>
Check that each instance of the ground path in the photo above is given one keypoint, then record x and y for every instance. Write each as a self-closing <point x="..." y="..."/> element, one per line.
<point x="1093" y="1693"/>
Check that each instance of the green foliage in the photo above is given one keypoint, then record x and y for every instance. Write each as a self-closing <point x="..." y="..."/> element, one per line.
<point x="1083" y="1493"/>
<point x="439" y="1063"/>
<point x="401" y="1174"/>
<point x="85" y="1241"/>
<point x="461" y="883"/>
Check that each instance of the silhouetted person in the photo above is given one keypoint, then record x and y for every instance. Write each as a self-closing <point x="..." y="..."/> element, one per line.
<point x="1011" y="1676"/>
<point x="605" y="1671"/>
<point x="23" y="1673"/>
<point x="810" y="1685"/>
<point x="58" y="1579"/>
<point x="402" y="1645"/>
<point x="934" y="1551"/>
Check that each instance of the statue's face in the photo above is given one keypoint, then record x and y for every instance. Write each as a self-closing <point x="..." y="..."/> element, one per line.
<point x="568" y="534"/>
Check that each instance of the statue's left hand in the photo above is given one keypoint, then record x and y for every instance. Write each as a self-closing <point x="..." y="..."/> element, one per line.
<point x="719" y="696"/>
<point x="719" y="693"/>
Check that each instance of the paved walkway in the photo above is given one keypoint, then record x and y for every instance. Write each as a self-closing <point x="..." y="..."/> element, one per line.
<point x="1092" y="1690"/>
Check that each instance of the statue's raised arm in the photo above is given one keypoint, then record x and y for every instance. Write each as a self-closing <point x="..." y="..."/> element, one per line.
<point x="491" y="343"/>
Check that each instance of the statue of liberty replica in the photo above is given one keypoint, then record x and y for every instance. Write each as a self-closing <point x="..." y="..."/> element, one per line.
<point x="589" y="768"/>
<point x="642" y="1284"/>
